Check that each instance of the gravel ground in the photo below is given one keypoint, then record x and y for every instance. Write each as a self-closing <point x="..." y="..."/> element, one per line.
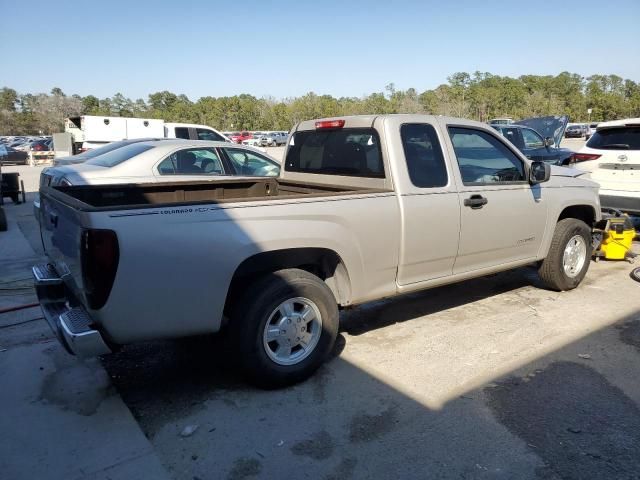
<point x="491" y="378"/>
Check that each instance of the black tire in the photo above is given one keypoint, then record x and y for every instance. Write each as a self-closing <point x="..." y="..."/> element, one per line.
<point x="551" y="271"/>
<point x="3" y="221"/>
<point x="253" y="310"/>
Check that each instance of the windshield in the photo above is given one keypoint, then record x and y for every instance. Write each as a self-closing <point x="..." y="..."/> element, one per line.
<point x="624" y="138"/>
<point x="115" y="157"/>
<point x="353" y="152"/>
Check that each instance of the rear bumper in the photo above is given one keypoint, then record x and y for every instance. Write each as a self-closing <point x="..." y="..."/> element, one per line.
<point x="69" y="321"/>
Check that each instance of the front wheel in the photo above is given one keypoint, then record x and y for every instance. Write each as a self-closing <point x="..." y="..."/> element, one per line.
<point x="569" y="255"/>
<point x="284" y="327"/>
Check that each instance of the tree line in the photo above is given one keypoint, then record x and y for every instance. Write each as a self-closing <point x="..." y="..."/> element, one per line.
<point x="478" y="96"/>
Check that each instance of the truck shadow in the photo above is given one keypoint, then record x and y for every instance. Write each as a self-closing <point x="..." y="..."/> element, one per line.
<point x="380" y="314"/>
<point x="170" y="378"/>
<point x="564" y="414"/>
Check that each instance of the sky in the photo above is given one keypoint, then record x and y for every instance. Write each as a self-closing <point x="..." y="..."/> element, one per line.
<point x="288" y="48"/>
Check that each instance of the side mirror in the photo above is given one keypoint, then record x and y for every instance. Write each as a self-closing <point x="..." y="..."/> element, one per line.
<point x="539" y="172"/>
<point x="549" y="142"/>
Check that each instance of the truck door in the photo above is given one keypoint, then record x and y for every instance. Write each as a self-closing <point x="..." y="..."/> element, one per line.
<point x="429" y="206"/>
<point x="502" y="216"/>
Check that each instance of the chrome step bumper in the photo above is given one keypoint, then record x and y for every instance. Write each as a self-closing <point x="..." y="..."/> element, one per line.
<point x="45" y="274"/>
<point x="72" y="325"/>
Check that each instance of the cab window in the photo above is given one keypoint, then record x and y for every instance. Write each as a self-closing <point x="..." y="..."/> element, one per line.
<point x="423" y="155"/>
<point x="483" y="159"/>
<point x="514" y="135"/>
<point x="196" y="161"/>
<point x="206" y="134"/>
<point x="182" y="132"/>
<point x="532" y="139"/>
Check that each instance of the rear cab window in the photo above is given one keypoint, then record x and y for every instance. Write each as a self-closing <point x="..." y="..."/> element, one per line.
<point x="353" y="152"/>
<point x="618" y="138"/>
<point x="514" y="135"/>
<point x="182" y="132"/>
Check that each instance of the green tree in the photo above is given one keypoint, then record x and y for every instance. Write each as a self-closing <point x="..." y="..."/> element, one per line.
<point x="8" y="99"/>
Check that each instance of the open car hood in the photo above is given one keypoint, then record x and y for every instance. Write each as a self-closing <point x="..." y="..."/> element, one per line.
<point x="551" y="126"/>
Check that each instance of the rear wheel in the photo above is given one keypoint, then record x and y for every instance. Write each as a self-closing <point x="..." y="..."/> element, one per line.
<point x="284" y="327"/>
<point x="569" y="255"/>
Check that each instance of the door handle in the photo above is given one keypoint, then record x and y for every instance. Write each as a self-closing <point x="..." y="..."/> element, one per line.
<point x="54" y="220"/>
<point x="475" y="201"/>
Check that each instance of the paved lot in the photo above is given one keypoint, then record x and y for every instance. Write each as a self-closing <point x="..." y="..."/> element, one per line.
<point x="61" y="417"/>
<point x="491" y="378"/>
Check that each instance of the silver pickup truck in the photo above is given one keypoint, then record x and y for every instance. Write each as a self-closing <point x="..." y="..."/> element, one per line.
<point x="366" y="207"/>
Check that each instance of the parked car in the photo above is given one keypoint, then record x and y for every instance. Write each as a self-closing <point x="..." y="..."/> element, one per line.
<point x="272" y="260"/>
<point x="81" y="158"/>
<point x="255" y="140"/>
<point x="94" y="152"/>
<point x="575" y="131"/>
<point x="22" y="144"/>
<point x="40" y="146"/>
<point x="273" y="139"/>
<point x="612" y="158"/>
<point x="163" y="161"/>
<point x="539" y="138"/>
<point x="501" y="121"/>
<point x="12" y="155"/>
<point x="591" y="129"/>
<point x="239" y="137"/>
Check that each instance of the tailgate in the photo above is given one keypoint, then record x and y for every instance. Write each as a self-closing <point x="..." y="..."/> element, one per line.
<point x="61" y="228"/>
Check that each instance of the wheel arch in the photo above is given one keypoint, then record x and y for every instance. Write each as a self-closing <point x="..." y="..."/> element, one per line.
<point x="586" y="213"/>
<point x="322" y="262"/>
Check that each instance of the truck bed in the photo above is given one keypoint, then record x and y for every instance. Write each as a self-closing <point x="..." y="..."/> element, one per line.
<point x="129" y="196"/>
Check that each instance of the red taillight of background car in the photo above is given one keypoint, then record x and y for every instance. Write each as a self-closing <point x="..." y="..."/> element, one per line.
<point x="583" y="157"/>
<point x="100" y="255"/>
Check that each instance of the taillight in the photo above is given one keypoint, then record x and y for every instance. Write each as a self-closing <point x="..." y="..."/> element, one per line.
<point x="327" y="124"/>
<point x="583" y="157"/>
<point x="100" y="254"/>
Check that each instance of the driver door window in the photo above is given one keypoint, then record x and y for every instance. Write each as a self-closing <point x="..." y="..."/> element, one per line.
<point x="483" y="159"/>
<point x="532" y="139"/>
<point x="195" y="161"/>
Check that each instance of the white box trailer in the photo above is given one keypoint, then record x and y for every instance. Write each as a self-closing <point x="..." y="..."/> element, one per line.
<point x="91" y="131"/>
